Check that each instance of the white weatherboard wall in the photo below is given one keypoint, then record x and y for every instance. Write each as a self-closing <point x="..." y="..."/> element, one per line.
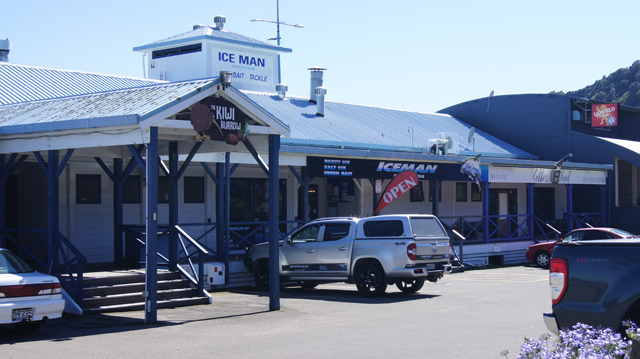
<point x="91" y="225"/>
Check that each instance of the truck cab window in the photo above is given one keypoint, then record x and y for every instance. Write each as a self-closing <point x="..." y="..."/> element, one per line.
<point x="307" y="234"/>
<point x="335" y="231"/>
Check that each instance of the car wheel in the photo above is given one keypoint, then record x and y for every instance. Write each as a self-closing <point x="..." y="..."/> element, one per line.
<point x="542" y="259"/>
<point x="261" y="275"/>
<point x="370" y="281"/>
<point x="27" y="327"/>
<point x="308" y="284"/>
<point x="410" y="286"/>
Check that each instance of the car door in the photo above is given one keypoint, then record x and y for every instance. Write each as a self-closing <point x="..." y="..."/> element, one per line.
<point x="299" y="251"/>
<point x="334" y="249"/>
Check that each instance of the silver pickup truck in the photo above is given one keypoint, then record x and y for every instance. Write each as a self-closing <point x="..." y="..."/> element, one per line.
<point x="372" y="252"/>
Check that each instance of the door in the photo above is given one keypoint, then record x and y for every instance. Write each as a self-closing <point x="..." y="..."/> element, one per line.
<point x="334" y="250"/>
<point x="313" y="202"/>
<point x="299" y="252"/>
<point x="544" y="207"/>
<point x="503" y="210"/>
<point x="502" y="202"/>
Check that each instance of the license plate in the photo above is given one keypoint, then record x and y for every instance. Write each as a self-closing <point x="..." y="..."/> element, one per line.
<point x="431" y="266"/>
<point x="18" y="314"/>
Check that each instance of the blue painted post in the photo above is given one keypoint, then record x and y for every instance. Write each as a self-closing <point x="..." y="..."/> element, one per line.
<point x="603" y="205"/>
<point x="173" y="206"/>
<point x="569" y="188"/>
<point x="530" y="220"/>
<point x="220" y="229"/>
<point x="52" y="210"/>
<point x="375" y="195"/>
<point x="151" y="273"/>
<point x="305" y="194"/>
<point x="118" y="216"/>
<point x="485" y="210"/>
<point x="435" y="205"/>
<point x="2" y="200"/>
<point x="227" y="212"/>
<point x="274" y="238"/>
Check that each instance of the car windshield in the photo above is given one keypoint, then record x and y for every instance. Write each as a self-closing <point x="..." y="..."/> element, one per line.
<point x="10" y="263"/>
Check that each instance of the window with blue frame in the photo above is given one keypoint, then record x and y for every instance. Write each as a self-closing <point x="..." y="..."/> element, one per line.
<point x="132" y="190"/>
<point x="193" y="189"/>
<point x="88" y="189"/>
<point x="461" y="191"/>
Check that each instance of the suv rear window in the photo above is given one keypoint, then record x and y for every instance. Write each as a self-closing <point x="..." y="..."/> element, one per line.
<point x="426" y="227"/>
<point x="391" y="228"/>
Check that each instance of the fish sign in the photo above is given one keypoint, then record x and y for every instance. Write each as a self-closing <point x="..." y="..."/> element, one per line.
<point x="401" y="184"/>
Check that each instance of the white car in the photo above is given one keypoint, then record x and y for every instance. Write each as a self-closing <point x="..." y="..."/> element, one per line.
<point x="27" y="298"/>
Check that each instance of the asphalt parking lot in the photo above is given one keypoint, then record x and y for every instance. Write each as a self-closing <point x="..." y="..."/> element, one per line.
<point x="473" y="314"/>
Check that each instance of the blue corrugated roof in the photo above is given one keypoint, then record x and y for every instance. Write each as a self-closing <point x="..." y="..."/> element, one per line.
<point x="21" y="83"/>
<point x="344" y="125"/>
<point x="210" y="33"/>
<point x="112" y="108"/>
<point x="360" y="126"/>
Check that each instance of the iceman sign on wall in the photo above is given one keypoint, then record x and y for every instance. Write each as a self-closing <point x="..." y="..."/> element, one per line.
<point x="401" y="184"/>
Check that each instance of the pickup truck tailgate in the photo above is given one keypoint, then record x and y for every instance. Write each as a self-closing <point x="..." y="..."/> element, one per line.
<point x="432" y="249"/>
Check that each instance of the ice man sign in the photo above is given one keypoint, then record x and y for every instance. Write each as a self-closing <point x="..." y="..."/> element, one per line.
<point x="401" y="184"/>
<point x="604" y="115"/>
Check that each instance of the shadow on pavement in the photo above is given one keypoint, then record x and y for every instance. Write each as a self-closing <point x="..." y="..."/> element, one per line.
<point x="339" y="295"/>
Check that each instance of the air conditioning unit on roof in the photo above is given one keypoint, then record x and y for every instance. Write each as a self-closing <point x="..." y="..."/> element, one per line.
<point x="453" y="142"/>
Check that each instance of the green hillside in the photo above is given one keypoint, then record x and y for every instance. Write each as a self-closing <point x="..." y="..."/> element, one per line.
<point x="621" y="86"/>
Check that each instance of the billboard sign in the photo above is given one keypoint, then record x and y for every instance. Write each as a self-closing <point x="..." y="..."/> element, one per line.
<point x="604" y="115"/>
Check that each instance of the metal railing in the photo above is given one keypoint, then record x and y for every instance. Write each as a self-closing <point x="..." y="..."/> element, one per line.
<point x="66" y="260"/>
<point x="501" y="228"/>
<point x="581" y="220"/>
<point x="135" y="242"/>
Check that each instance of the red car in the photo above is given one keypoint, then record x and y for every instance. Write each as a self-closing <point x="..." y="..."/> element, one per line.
<point x="541" y="252"/>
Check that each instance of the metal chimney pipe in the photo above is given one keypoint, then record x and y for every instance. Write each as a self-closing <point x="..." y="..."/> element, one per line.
<point x="220" y="20"/>
<point x="282" y="90"/>
<point x="316" y="81"/>
<point x="5" y="48"/>
<point x="319" y="93"/>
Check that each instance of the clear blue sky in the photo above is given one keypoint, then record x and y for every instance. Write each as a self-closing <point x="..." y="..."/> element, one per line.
<point x="414" y="55"/>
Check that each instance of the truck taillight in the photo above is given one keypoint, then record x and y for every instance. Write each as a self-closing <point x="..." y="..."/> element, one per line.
<point x="558" y="278"/>
<point x="412" y="251"/>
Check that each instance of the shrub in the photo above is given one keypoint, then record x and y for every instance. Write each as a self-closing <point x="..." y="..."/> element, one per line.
<point x="582" y="341"/>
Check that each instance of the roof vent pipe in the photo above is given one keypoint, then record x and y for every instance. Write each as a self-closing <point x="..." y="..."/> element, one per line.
<point x="319" y="92"/>
<point x="219" y="20"/>
<point x="198" y="26"/>
<point x="5" y="47"/>
<point x="282" y="90"/>
<point x="316" y="81"/>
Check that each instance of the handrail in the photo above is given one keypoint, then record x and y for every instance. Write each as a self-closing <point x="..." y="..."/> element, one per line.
<point x="581" y="220"/>
<point x="71" y="284"/>
<point x="201" y="252"/>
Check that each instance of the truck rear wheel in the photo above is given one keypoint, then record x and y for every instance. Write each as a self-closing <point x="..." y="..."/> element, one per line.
<point x="261" y="275"/>
<point x="410" y="286"/>
<point x="370" y="281"/>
